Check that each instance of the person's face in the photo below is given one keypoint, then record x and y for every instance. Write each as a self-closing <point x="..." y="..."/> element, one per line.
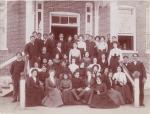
<point x="50" y="62"/>
<point x="44" y="50"/>
<point x="115" y="45"/>
<point x="118" y="69"/>
<point x="69" y="38"/>
<point x="110" y="75"/>
<point x="103" y="56"/>
<point x="94" y="60"/>
<point x="77" y="75"/>
<point x="32" y="39"/>
<point x="36" y="65"/>
<point x="75" y="36"/>
<point x="86" y="54"/>
<point x="125" y="59"/>
<point x="63" y="63"/>
<point x="65" y="76"/>
<point x="34" y="73"/>
<point x="35" y="35"/>
<point x="95" y="68"/>
<point x="135" y="58"/>
<point x="19" y="56"/>
<point x="44" y="61"/>
<point x="106" y="70"/>
<point x="61" y="37"/>
<point x="45" y="36"/>
<point x="80" y="38"/>
<point x="97" y="39"/>
<point x="39" y="36"/>
<point x="82" y="65"/>
<point x="98" y="81"/>
<point x="65" y="56"/>
<point x="102" y="39"/>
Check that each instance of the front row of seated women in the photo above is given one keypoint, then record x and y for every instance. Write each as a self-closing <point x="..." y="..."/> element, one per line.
<point x="107" y="90"/>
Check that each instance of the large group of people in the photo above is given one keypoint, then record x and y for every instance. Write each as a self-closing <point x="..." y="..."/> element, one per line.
<point x="79" y="69"/>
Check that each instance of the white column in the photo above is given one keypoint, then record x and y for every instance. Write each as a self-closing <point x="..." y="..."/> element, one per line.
<point x="96" y="13"/>
<point x="136" y="92"/>
<point x="22" y="93"/>
<point x="29" y="19"/>
<point x="113" y="18"/>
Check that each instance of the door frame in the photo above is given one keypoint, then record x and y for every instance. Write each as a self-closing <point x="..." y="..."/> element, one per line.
<point x="71" y="14"/>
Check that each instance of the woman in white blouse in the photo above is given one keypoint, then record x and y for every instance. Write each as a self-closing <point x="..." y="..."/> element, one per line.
<point x="81" y="45"/>
<point x="115" y="56"/>
<point x="121" y="85"/>
<point x="75" y="53"/>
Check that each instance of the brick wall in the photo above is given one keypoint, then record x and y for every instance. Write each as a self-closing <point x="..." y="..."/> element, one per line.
<point x="104" y="20"/>
<point x="64" y="6"/>
<point x="15" y="32"/>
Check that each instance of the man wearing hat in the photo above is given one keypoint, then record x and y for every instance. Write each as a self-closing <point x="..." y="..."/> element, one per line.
<point x="137" y="69"/>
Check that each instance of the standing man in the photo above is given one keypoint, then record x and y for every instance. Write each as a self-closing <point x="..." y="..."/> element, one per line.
<point x="31" y="51"/>
<point x="16" y="69"/>
<point x="137" y="66"/>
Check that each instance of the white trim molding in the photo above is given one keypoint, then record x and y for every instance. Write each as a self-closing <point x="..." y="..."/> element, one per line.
<point x="29" y="19"/>
<point x="65" y="14"/>
<point x="3" y="31"/>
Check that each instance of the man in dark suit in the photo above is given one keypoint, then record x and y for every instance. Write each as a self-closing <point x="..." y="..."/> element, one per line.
<point x="137" y="66"/>
<point x="16" y="69"/>
<point x="58" y="50"/>
<point x="31" y="51"/>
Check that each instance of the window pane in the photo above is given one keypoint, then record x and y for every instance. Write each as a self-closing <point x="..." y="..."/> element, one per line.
<point x="64" y="20"/>
<point x="88" y="9"/>
<point x="126" y="42"/>
<point x="39" y="6"/>
<point x="72" y="20"/>
<point x="55" y="19"/>
<point x="39" y="17"/>
<point x="88" y="18"/>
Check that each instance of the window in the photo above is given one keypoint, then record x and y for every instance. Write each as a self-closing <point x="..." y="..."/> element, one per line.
<point x="89" y="17"/>
<point x="39" y="16"/>
<point x="64" y="20"/>
<point x="127" y="27"/>
<point x="3" y="25"/>
<point x="148" y="30"/>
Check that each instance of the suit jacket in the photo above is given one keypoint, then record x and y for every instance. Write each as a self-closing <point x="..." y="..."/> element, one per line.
<point x="138" y="67"/>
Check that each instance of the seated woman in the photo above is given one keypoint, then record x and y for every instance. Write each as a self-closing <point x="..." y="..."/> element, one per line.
<point x="77" y="85"/>
<point x="112" y="93"/>
<point x="95" y="62"/>
<point x="36" y="66"/>
<point x="100" y="99"/>
<point x="96" y="71"/>
<point x="86" y="59"/>
<point x="43" y="75"/>
<point x="75" y="53"/>
<point x="103" y="61"/>
<point x="34" y="91"/>
<point x="89" y="81"/>
<point x="121" y="85"/>
<point x="65" y="87"/>
<point x="53" y="94"/>
<point x="73" y="66"/>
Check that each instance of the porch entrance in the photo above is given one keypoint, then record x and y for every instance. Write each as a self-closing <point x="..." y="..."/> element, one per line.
<point x="65" y="30"/>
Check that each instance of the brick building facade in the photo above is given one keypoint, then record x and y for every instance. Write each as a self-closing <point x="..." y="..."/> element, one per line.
<point x="82" y="17"/>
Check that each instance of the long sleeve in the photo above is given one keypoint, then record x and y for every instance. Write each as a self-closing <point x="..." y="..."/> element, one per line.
<point x="143" y="71"/>
<point x="12" y="68"/>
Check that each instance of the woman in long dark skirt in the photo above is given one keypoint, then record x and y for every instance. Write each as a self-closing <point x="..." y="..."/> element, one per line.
<point x="100" y="99"/>
<point x="34" y="91"/>
<point x="65" y="87"/>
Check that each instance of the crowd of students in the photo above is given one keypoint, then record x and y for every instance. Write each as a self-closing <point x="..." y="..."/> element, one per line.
<point x="77" y="70"/>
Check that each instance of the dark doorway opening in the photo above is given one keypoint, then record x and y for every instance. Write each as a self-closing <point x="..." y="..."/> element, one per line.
<point x="65" y="30"/>
<point x="126" y="42"/>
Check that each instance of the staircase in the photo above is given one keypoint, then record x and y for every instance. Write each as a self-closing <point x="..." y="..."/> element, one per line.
<point x="6" y="86"/>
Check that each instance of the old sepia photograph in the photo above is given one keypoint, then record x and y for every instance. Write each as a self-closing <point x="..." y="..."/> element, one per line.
<point x="74" y="56"/>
